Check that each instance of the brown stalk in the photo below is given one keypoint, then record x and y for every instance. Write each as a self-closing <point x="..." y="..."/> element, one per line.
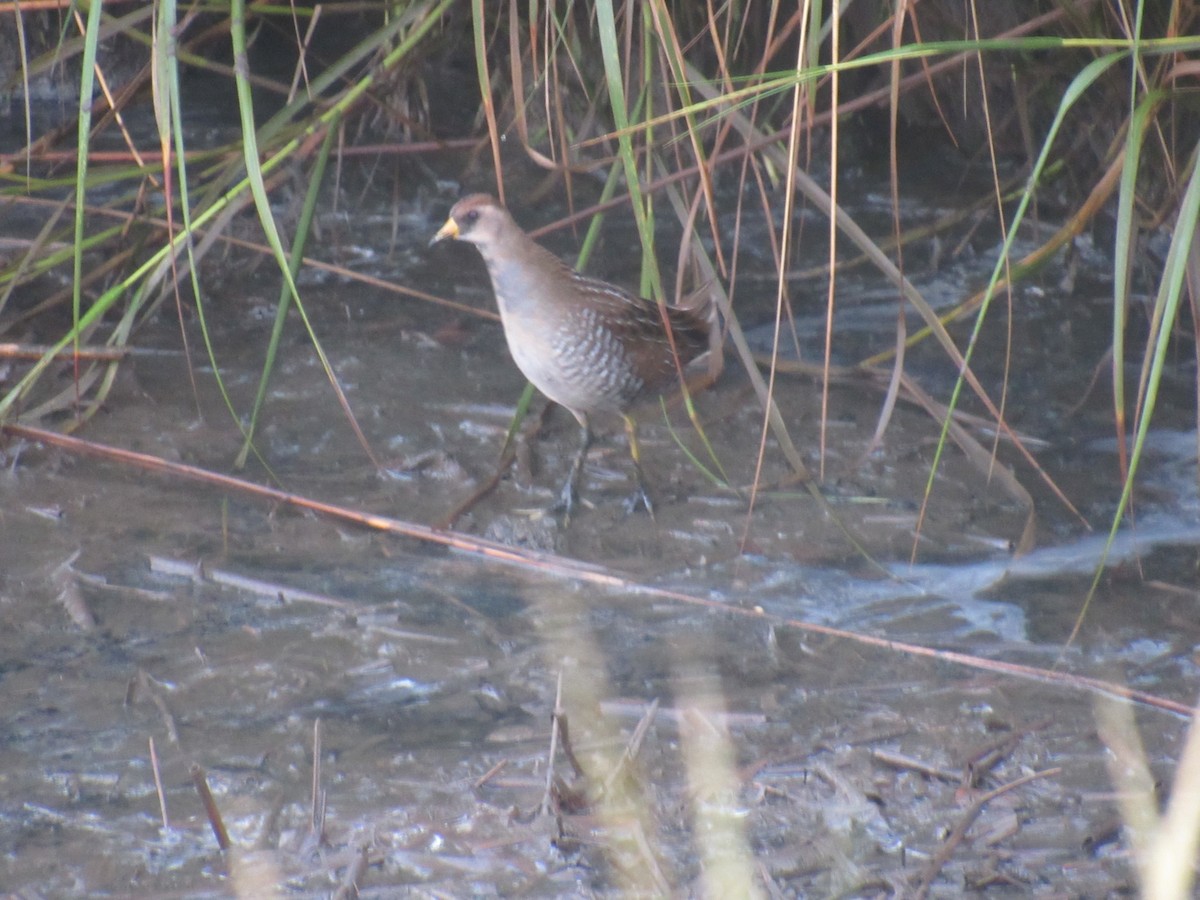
<point x="908" y="764"/>
<point x="200" y="782"/>
<point x="962" y="826"/>
<point x="158" y="785"/>
<point x="547" y="795"/>
<point x="316" y="815"/>
<point x="349" y="888"/>
<point x="490" y="774"/>
<point x="552" y="565"/>
<point x="66" y="583"/>
<point x="37" y="351"/>
<point x="143" y="684"/>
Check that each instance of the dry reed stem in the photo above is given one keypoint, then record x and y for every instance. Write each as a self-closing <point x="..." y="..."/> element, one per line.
<point x="568" y="569"/>
<point x="200" y="782"/>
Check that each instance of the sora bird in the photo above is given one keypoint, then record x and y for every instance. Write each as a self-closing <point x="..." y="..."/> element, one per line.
<point x="587" y="345"/>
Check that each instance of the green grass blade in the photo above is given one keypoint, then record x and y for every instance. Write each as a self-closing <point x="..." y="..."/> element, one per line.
<point x="303" y="230"/>
<point x="615" y="83"/>
<point x="1166" y="312"/>
<point x="1077" y="88"/>
<point x="87" y="84"/>
<point x="1125" y="247"/>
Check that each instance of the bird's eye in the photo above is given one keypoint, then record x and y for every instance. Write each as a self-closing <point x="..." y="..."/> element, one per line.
<point x="472" y="216"/>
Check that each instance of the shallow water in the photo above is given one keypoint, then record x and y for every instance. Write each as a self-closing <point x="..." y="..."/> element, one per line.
<point x="137" y="607"/>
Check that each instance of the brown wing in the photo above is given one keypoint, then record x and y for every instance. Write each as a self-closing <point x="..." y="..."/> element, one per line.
<point x="638" y="324"/>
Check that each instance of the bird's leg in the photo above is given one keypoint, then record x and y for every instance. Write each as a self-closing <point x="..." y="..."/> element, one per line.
<point x="640" y="496"/>
<point x="570" y="490"/>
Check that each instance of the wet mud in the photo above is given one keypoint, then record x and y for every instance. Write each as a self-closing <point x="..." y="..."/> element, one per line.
<point x="482" y="729"/>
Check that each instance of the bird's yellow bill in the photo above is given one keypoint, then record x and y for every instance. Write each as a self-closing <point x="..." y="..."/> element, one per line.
<point x="449" y="230"/>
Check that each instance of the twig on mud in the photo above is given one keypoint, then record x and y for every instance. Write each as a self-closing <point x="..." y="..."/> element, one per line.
<point x="844" y="786"/>
<point x="316" y="817"/>
<point x="774" y="891"/>
<point x="555" y="566"/>
<point x="489" y="774"/>
<point x="546" y="563"/>
<point x="158" y="786"/>
<point x="508" y="455"/>
<point x="564" y="740"/>
<point x="986" y="758"/>
<point x="272" y="590"/>
<point x="100" y="584"/>
<point x="466" y="505"/>
<point x="353" y="880"/>
<point x="911" y="764"/>
<point x="142" y="682"/>
<point x="633" y="747"/>
<point x="628" y="708"/>
<point x="1167" y="587"/>
<point x="490" y="631"/>
<point x="66" y="585"/>
<point x="546" y="796"/>
<point x="210" y="806"/>
<point x="651" y="862"/>
<point x="959" y="832"/>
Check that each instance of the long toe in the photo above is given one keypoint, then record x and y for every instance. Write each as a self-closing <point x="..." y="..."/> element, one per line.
<point x="639" y="499"/>
<point x="568" y="500"/>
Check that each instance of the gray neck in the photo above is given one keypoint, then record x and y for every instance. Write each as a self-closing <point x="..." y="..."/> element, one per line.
<point x="523" y="272"/>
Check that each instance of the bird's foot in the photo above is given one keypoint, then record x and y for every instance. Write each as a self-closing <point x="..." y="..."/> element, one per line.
<point x="639" y="499"/>
<point x="568" y="502"/>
